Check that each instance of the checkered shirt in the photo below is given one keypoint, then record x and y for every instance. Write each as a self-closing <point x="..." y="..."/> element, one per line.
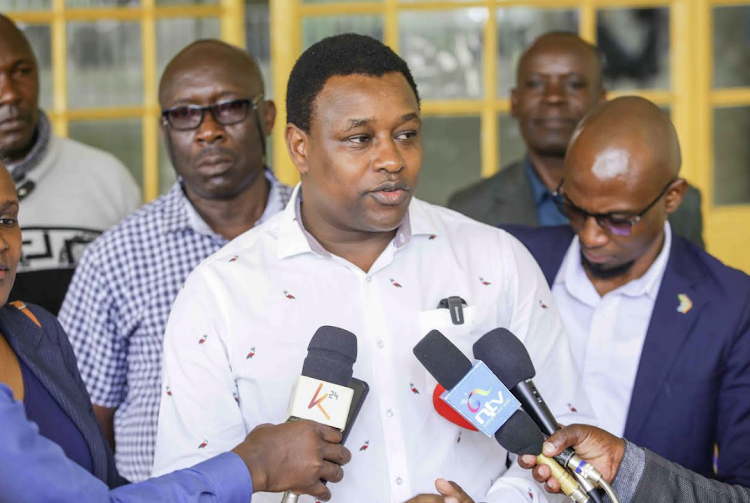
<point x="117" y="307"/>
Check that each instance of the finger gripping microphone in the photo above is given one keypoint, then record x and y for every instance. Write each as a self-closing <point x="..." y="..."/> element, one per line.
<point x="321" y="393"/>
<point x="500" y="417"/>
<point x="508" y="359"/>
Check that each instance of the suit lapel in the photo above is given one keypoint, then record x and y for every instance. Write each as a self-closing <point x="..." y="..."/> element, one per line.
<point x="44" y="358"/>
<point x="667" y="332"/>
<point x="514" y="202"/>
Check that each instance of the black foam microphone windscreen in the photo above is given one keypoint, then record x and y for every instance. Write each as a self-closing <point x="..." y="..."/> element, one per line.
<point x="447" y="364"/>
<point x="506" y="356"/>
<point x="331" y="355"/>
<point x="520" y="435"/>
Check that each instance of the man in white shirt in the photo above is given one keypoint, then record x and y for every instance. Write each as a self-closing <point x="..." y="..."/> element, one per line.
<point x="353" y="249"/>
<point x="658" y="328"/>
<point x="69" y="192"/>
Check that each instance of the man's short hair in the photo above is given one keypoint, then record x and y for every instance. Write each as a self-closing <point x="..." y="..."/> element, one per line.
<point x="339" y="55"/>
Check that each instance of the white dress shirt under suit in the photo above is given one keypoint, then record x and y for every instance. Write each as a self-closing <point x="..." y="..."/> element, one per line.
<point x="239" y="330"/>
<point x="607" y="333"/>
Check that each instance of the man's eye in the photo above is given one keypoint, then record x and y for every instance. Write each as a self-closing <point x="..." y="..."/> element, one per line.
<point x="358" y="139"/>
<point x="406" y="135"/>
<point x="8" y="222"/>
<point x="534" y="84"/>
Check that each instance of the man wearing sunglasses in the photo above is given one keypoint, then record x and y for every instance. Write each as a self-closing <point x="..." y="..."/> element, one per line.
<point x="558" y="81"/>
<point x="658" y="328"/>
<point x="214" y="123"/>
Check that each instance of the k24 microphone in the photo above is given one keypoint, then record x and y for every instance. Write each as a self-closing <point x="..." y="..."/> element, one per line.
<point x="508" y="358"/>
<point x="479" y="396"/>
<point x="321" y="393"/>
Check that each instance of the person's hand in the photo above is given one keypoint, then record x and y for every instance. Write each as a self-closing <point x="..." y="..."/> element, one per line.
<point x="450" y="492"/>
<point x="294" y="457"/>
<point x="600" y="448"/>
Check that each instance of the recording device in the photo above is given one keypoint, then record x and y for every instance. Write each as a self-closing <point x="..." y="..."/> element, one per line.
<point x="516" y="432"/>
<point x="321" y="393"/>
<point x="508" y="358"/>
<point x="361" y="390"/>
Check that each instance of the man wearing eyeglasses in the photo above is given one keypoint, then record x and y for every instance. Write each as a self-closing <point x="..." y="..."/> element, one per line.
<point x="658" y="328"/>
<point x="214" y="124"/>
<point x="558" y="81"/>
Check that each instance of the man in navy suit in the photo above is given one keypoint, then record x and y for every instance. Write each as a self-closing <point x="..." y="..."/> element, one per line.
<point x="659" y="329"/>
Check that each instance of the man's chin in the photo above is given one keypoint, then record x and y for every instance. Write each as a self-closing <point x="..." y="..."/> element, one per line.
<point x="605" y="271"/>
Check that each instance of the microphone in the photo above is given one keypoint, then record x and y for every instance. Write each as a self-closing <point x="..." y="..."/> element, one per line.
<point x="321" y="393"/>
<point x="508" y="358"/>
<point x="516" y="432"/>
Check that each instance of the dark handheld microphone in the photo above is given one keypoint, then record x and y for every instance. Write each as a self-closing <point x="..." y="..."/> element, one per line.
<point x="321" y="393"/>
<point x="509" y="360"/>
<point x="518" y="434"/>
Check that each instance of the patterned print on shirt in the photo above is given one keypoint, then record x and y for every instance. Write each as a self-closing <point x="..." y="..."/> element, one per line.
<point x="485" y="283"/>
<point x="233" y="259"/>
<point x="203" y="444"/>
<point x="396" y="283"/>
<point x="169" y="391"/>
<point x="685" y="303"/>
<point x="364" y="446"/>
<point x="572" y="408"/>
<point x="288" y="295"/>
<point x="413" y="388"/>
<point x="203" y="339"/>
<point x="542" y="304"/>
<point x="236" y="398"/>
<point x="531" y="494"/>
<point x="432" y="237"/>
<point x="458" y="440"/>
<point x="251" y="353"/>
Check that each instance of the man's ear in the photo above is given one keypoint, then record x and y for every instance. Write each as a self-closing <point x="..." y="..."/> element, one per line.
<point x="296" y="143"/>
<point x="268" y="116"/>
<point x="675" y="195"/>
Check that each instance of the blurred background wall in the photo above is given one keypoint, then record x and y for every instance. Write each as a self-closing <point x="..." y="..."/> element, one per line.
<point x="101" y="59"/>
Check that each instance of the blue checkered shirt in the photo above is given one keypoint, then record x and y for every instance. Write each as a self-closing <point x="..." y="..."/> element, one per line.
<point x="117" y="307"/>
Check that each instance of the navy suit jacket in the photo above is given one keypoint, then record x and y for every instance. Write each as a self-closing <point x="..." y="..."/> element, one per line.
<point x="692" y="388"/>
<point x="48" y="353"/>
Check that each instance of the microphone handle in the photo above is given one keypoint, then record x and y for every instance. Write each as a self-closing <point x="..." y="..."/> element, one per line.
<point x="567" y="483"/>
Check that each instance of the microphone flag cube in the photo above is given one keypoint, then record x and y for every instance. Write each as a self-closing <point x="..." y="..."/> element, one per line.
<point x="321" y="401"/>
<point x="482" y="399"/>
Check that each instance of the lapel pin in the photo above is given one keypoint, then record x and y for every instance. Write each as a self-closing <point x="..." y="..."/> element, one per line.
<point x="685" y="303"/>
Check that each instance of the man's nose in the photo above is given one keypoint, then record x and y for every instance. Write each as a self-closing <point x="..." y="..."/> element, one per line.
<point x="210" y="131"/>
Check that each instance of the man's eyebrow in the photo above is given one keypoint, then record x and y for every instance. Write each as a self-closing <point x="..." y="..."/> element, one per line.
<point x="355" y="123"/>
<point x="410" y="117"/>
<point x="9" y="204"/>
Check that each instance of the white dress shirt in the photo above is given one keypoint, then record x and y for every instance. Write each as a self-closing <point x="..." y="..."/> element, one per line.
<point x="607" y="333"/>
<point x="239" y="330"/>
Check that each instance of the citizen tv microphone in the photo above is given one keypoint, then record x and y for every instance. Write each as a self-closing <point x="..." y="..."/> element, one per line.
<point x="507" y="357"/>
<point x="321" y="393"/>
<point x="479" y="396"/>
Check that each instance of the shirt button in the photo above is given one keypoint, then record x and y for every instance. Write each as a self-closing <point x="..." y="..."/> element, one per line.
<point x="381" y="344"/>
<point x="389" y="413"/>
<point x="399" y="481"/>
<point x="369" y="279"/>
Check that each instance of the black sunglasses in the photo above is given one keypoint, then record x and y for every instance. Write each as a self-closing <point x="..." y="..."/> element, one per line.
<point x="226" y="113"/>
<point x="617" y="225"/>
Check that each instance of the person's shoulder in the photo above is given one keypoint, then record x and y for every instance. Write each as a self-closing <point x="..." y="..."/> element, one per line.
<point x="724" y="279"/>
<point x="482" y="189"/>
<point x="87" y="156"/>
<point x="462" y="231"/>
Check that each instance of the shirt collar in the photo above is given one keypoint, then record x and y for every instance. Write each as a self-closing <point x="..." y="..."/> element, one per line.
<point x="578" y="285"/>
<point x="179" y="213"/>
<point x="538" y="189"/>
<point x="294" y="239"/>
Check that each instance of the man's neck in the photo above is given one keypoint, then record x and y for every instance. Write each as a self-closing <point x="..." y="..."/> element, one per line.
<point x="231" y="217"/>
<point x="548" y="168"/>
<point x="360" y="248"/>
<point x="640" y="267"/>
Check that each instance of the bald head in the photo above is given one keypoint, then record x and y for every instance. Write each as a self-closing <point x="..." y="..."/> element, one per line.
<point x="214" y="59"/>
<point x="11" y="35"/>
<point x="563" y="43"/>
<point x="628" y="139"/>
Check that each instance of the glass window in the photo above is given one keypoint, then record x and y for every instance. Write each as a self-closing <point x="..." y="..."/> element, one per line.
<point x="731" y="46"/>
<point x="105" y="64"/>
<point x="40" y="37"/>
<point x="315" y="29"/>
<point x="635" y="47"/>
<point x="516" y="29"/>
<point x="101" y="3"/>
<point x="173" y="35"/>
<point x="509" y="141"/>
<point x="11" y="5"/>
<point x="731" y="156"/>
<point x="121" y="138"/>
<point x="167" y="175"/>
<point x="444" y="51"/>
<point x="258" y="40"/>
<point x="452" y="156"/>
<point x="185" y="2"/>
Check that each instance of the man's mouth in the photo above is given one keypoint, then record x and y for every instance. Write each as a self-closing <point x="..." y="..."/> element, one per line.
<point x="391" y="193"/>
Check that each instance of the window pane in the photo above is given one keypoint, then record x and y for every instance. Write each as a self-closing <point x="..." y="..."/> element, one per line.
<point x="731" y="34"/>
<point x="40" y="38"/>
<point x="101" y="3"/>
<point x="173" y="35"/>
<point x="517" y="29"/>
<point x="10" y="5"/>
<point x="731" y="156"/>
<point x="186" y="2"/>
<point x="509" y="140"/>
<point x="452" y="156"/>
<point x="167" y="175"/>
<point x="104" y="64"/>
<point x="635" y="46"/>
<point x="315" y="29"/>
<point x="444" y="51"/>
<point x="258" y="40"/>
<point x="121" y="138"/>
